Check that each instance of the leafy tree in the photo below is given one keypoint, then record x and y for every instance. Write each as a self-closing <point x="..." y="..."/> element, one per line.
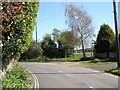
<point x="18" y="20"/>
<point x="56" y="34"/>
<point x="49" y="47"/>
<point x="105" y="39"/>
<point x="80" y="22"/>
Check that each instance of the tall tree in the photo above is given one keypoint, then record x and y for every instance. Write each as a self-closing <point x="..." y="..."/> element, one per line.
<point x="105" y="38"/>
<point x="80" y="22"/>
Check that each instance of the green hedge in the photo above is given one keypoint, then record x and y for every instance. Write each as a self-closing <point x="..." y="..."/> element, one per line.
<point x="18" y="21"/>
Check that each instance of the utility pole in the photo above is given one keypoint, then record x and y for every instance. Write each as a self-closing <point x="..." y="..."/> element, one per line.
<point x="36" y="32"/>
<point x="117" y="36"/>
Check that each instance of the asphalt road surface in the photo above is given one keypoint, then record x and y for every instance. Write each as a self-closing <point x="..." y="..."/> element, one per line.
<point x="64" y="75"/>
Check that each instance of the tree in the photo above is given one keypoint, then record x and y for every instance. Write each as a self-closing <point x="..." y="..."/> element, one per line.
<point x="70" y="40"/>
<point x="80" y="22"/>
<point x="56" y="34"/>
<point x="49" y="47"/>
<point x="105" y="39"/>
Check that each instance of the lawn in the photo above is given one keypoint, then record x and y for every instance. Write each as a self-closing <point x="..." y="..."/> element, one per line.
<point x="77" y="56"/>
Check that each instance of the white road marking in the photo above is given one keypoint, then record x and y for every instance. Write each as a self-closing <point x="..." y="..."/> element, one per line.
<point x="68" y="75"/>
<point x="60" y="71"/>
<point x="35" y="81"/>
<point x="92" y="87"/>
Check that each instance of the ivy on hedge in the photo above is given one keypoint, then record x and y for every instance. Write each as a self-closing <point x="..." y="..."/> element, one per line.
<point x="18" y="20"/>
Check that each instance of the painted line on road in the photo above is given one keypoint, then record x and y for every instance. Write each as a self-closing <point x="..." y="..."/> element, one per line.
<point x="60" y="71"/>
<point x="92" y="87"/>
<point x="36" y="82"/>
<point x="68" y="75"/>
<point x="65" y="74"/>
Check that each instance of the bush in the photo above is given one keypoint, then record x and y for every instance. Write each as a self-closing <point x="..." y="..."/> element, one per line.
<point x="95" y="61"/>
<point x="18" y="77"/>
<point x="34" y="51"/>
<point x="37" y="60"/>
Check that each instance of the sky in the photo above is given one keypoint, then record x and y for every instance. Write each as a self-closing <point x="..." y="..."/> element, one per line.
<point x="52" y="15"/>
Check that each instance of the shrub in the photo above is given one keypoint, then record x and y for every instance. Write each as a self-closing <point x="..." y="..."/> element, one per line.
<point x="34" y="51"/>
<point x="18" y="77"/>
<point x="95" y="60"/>
<point x="37" y="60"/>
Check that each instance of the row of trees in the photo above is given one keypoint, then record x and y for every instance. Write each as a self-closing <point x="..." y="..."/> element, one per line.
<point x="59" y="44"/>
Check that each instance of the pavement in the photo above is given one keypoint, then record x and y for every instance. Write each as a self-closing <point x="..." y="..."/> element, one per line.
<point x="69" y="75"/>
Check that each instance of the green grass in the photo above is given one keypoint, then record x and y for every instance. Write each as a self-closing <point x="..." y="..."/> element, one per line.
<point x="89" y="63"/>
<point x="77" y="56"/>
<point x="17" y="77"/>
<point x="113" y="70"/>
<point x="36" y="60"/>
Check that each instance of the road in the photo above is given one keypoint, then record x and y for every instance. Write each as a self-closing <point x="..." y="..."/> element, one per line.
<point x="65" y="75"/>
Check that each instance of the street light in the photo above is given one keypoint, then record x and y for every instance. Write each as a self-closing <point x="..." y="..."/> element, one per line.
<point x="117" y="35"/>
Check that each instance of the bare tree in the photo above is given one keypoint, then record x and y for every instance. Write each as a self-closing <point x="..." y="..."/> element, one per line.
<point x="80" y="22"/>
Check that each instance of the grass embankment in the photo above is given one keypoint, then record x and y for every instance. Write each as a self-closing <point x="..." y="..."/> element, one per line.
<point x="91" y="63"/>
<point x="17" y="77"/>
<point x="113" y="70"/>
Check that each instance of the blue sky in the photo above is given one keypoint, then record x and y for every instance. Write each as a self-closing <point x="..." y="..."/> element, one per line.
<point x="52" y="15"/>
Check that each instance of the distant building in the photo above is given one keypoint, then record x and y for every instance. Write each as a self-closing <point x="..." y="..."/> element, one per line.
<point x="86" y="50"/>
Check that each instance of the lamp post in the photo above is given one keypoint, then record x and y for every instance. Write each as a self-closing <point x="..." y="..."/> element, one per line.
<point x="117" y="35"/>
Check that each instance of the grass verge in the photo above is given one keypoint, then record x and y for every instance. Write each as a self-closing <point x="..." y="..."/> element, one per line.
<point x="17" y="77"/>
<point x="89" y="63"/>
<point x="37" y="60"/>
<point x="113" y="70"/>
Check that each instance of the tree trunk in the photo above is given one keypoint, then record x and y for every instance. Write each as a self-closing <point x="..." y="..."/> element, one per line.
<point x="83" y="48"/>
